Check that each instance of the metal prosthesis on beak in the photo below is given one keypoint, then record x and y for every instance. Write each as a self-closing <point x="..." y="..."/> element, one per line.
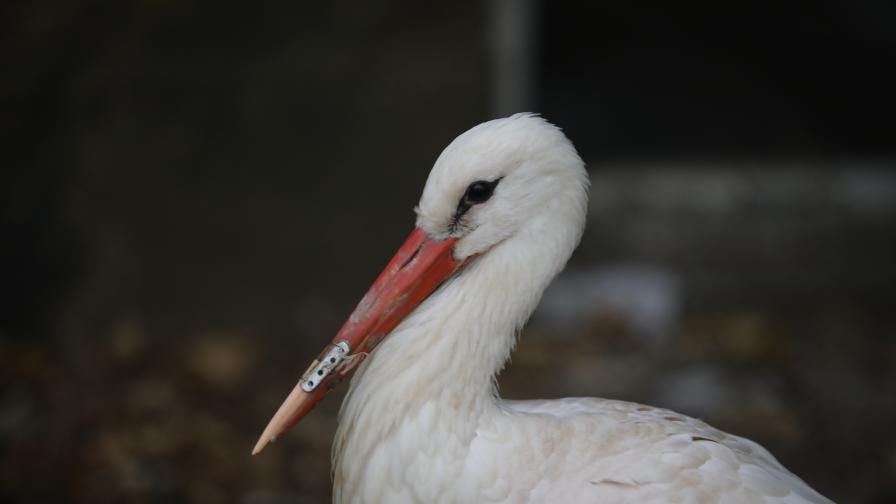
<point x="324" y="365"/>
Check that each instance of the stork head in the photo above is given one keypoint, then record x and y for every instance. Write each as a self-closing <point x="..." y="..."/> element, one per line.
<point x="504" y="180"/>
<point x="498" y="178"/>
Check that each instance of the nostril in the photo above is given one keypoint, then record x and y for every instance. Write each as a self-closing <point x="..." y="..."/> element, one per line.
<point x="414" y="255"/>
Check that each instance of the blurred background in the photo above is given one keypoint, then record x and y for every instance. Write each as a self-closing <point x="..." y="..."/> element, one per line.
<point x="194" y="194"/>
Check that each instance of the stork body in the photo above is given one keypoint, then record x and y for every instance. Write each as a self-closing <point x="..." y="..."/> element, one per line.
<point x="423" y="422"/>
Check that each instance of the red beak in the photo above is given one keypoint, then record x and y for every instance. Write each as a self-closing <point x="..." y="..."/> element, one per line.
<point x="419" y="266"/>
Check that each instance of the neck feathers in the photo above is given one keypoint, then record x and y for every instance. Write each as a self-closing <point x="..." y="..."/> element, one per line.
<point x="435" y="373"/>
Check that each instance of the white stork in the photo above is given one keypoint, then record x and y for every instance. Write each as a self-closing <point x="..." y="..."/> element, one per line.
<point x="501" y="213"/>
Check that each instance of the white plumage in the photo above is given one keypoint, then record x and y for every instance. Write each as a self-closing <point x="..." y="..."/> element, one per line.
<point x="422" y="421"/>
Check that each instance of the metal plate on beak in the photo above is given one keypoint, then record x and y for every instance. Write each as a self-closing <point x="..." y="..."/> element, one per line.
<point x="324" y="365"/>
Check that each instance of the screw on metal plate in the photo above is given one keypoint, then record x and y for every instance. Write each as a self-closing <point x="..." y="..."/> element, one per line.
<point x="323" y="366"/>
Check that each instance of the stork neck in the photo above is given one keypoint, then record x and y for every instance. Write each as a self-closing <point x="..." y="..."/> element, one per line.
<point x="452" y="346"/>
<point x="434" y="375"/>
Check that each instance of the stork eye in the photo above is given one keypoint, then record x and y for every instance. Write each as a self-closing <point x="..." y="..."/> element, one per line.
<point x="480" y="191"/>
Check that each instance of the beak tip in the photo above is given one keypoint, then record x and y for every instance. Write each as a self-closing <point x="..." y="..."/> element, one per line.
<point x="259" y="445"/>
<point x="263" y="441"/>
<point x="281" y="420"/>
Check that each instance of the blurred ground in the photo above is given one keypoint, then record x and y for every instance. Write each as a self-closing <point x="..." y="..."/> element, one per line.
<point x="194" y="195"/>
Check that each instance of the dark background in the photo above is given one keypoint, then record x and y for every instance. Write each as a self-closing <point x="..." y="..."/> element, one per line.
<point x="194" y="194"/>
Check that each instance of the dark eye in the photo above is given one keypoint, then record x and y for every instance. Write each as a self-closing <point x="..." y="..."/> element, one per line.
<point x="480" y="191"/>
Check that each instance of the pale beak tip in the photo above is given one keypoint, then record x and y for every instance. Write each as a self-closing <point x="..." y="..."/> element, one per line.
<point x="263" y="440"/>
<point x="261" y="444"/>
<point x="281" y="419"/>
